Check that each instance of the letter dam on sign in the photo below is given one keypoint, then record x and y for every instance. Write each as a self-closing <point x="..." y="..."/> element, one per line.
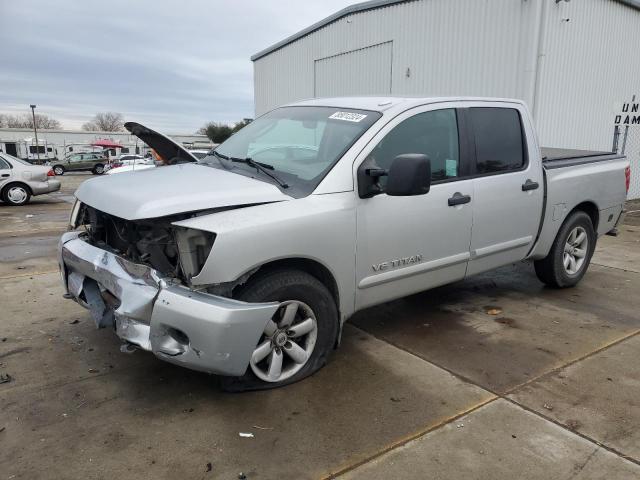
<point x="627" y="114"/>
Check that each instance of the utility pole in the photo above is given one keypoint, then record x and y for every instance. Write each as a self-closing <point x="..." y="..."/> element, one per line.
<point x="35" y="130"/>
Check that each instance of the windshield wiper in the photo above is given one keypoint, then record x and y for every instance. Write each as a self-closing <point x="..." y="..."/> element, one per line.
<point x="261" y="167"/>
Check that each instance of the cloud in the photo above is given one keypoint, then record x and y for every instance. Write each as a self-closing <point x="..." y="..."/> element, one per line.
<point x="173" y="65"/>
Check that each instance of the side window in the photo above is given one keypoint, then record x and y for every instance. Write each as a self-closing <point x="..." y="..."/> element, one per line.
<point x="75" y="158"/>
<point x="4" y="165"/>
<point x="434" y="134"/>
<point x="498" y="137"/>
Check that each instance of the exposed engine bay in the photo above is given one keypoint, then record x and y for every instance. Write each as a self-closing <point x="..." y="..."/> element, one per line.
<point x="173" y="251"/>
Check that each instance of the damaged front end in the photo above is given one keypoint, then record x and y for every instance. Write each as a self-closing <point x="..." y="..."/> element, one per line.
<point x="135" y="277"/>
<point x="174" y="252"/>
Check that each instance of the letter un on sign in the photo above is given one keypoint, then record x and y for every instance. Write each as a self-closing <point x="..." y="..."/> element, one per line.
<point x="627" y="114"/>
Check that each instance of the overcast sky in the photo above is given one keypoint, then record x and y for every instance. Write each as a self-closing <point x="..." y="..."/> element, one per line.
<point x="171" y="64"/>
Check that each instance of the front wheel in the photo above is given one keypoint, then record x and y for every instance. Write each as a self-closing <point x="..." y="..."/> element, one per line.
<point x="570" y="254"/>
<point x="297" y="341"/>
<point x="98" y="169"/>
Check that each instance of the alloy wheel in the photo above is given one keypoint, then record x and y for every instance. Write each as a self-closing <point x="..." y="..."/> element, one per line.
<point x="287" y="342"/>
<point x="575" y="250"/>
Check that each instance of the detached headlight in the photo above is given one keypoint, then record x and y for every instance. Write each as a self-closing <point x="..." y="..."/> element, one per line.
<point x="194" y="247"/>
<point x="75" y="212"/>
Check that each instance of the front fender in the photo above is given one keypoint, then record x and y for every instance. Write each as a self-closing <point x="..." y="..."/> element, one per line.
<point x="318" y="227"/>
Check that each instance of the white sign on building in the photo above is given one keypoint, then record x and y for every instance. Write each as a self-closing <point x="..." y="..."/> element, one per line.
<point x="627" y="114"/>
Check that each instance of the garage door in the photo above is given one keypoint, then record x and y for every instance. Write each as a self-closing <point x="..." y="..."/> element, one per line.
<point x="366" y="71"/>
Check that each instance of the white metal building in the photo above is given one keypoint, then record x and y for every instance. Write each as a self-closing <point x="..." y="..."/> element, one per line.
<point x="571" y="61"/>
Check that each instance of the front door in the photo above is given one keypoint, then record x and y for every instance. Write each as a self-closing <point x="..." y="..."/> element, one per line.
<point x="409" y="244"/>
<point x="76" y="162"/>
<point x="508" y="187"/>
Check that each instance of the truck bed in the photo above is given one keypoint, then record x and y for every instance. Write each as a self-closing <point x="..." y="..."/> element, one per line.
<point x="566" y="157"/>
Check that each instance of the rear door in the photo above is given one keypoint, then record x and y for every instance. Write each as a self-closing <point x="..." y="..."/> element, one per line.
<point x="507" y="185"/>
<point x="5" y="172"/>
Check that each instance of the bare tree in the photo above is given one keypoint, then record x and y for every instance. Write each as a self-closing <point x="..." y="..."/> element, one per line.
<point x="105" y="122"/>
<point x="26" y="121"/>
<point x="219" y="132"/>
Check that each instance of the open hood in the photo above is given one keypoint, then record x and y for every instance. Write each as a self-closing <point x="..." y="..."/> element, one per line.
<point x="171" y="151"/>
<point x="183" y="188"/>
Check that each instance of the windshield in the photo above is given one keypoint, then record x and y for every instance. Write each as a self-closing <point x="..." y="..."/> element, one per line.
<point x="301" y="144"/>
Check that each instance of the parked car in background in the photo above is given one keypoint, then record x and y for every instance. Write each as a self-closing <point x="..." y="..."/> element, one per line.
<point x="127" y="157"/>
<point x="81" y="162"/>
<point x="248" y="262"/>
<point x="131" y="167"/>
<point x="128" y="162"/>
<point x="20" y="180"/>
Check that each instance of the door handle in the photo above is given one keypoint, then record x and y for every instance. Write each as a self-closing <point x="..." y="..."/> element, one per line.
<point x="4" y="175"/>
<point x="529" y="185"/>
<point x="459" y="199"/>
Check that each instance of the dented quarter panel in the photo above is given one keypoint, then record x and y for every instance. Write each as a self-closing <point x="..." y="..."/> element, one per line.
<point x="163" y="191"/>
<point x="317" y="227"/>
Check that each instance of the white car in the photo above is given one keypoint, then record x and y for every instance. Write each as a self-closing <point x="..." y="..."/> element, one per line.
<point x="131" y="167"/>
<point x="20" y="180"/>
<point x="128" y="163"/>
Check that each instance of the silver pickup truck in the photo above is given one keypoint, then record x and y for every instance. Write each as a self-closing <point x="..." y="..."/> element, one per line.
<point x="246" y="263"/>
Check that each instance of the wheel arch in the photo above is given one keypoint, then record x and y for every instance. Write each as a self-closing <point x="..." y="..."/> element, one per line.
<point x="313" y="267"/>
<point x="16" y="182"/>
<point x="591" y="209"/>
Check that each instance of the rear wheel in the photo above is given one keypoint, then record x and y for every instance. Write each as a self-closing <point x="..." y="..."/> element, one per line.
<point x="297" y="341"/>
<point x="570" y="254"/>
<point x="98" y="169"/>
<point x="58" y="170"/>
<point x="16" y="194"/>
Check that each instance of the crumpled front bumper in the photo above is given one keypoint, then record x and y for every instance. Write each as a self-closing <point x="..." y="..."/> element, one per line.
<point x="193" y="329"/>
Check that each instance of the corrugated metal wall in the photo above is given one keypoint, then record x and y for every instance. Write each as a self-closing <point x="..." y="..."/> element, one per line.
<point x="366" y="71"/>
<point x="440" y="47"/>
<point x="587" y="60"/>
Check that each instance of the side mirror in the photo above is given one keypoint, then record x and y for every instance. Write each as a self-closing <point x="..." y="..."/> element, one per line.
<point x="410" y="174"/>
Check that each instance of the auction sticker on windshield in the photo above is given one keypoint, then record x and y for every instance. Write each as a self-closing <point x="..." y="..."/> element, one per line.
<point x="348" y="116"/>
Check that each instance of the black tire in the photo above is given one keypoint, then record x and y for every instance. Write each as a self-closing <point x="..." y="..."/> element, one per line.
<point x="282" y="285"/>
<point x="58" y="170"/>
<point x="16" y="194"/>
<point x="98" y="169"/>
<point x="551" y="269"/>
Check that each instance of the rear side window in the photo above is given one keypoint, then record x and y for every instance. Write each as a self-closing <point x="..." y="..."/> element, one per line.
<point x="498" y="137"/>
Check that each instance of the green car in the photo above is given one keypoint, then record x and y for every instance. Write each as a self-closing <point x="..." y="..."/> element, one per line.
<point x="79" y="162"/>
